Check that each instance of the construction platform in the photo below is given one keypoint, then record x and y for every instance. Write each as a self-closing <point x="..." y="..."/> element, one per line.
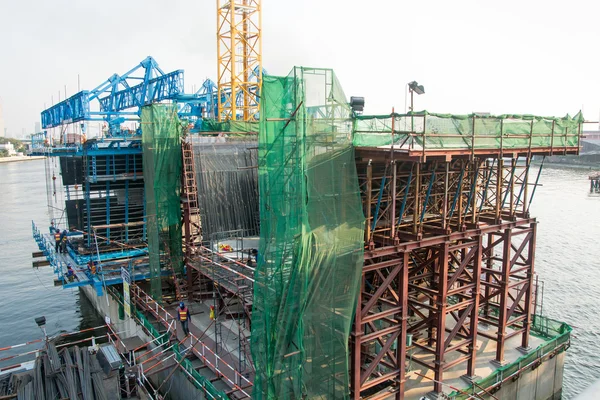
<point x="109" y="269"/>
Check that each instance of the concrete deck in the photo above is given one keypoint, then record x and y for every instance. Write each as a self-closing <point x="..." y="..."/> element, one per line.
<point x="417" y="387"/>
<point x="202" y="327"/>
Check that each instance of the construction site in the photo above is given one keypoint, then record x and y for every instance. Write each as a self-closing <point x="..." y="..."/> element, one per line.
<point x="322" y="253"/>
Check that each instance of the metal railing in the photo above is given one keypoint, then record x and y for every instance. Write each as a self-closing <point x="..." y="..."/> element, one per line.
<point x="218" y="365"/>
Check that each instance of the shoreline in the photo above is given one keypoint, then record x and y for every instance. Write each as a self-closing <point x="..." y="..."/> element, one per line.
<point x="23" y="158"/>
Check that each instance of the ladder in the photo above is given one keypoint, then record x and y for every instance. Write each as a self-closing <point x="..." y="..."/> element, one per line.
<point x="190" y="194"/>
<point x="193" y="231"/>
<point x="178" y="281"/>
<point x="180" y="287"/>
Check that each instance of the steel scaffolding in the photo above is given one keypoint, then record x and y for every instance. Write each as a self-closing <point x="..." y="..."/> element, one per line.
<point x="450" y="245"/>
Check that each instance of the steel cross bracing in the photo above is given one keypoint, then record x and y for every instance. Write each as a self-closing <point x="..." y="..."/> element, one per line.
<point x="442" y="195"/>
<point x="449" y="245"/>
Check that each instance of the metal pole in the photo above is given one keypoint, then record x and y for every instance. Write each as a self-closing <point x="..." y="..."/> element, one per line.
<point x="394" y="189"/>
<point x="417" y="200"/>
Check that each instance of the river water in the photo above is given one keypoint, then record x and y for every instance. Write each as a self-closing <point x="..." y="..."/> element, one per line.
<point x="26" y="292"/>
<point x="567" y="261"/>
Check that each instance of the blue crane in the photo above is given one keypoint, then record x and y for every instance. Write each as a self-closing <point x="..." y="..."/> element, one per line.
<point x="120" y="98"/>
<point x="117" y="97"/>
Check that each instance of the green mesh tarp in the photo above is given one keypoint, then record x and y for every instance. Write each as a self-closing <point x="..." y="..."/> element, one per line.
<point x="311" y="241"/>
<point x="437" y="131"/>
<point x="210" y="125"/>
<point x="161" y="131"/>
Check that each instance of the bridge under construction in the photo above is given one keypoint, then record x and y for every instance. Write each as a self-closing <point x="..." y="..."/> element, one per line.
<point x="322" y="253"/>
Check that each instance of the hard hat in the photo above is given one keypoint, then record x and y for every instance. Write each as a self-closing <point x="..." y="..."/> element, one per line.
<point x="181" y="304"/>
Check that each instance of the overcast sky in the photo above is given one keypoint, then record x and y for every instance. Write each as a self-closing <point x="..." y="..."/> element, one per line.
<point x="537" y="57"/>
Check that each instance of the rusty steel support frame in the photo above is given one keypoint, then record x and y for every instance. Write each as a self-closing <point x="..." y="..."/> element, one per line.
<point x="434" y="220"/>
<point x="379" y="324"/>
<point x="442" y="288"/>
<point x="507" y="289"/>
<point x="433" y="270"/>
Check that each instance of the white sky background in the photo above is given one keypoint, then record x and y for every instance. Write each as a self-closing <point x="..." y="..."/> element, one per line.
<point x="528" y="56"/>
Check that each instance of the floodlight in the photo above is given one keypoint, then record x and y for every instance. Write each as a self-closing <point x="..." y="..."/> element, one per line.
<point x="357" y="103"/>
<point x="415" y="87"/>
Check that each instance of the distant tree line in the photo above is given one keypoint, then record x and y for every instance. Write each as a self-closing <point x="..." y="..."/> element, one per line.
<point x="18" y="144"/>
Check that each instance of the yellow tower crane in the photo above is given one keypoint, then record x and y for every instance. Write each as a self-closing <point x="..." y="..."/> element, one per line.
<point x="239" y="62"/>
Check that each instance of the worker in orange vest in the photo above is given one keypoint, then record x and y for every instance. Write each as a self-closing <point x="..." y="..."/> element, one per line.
<point x="212" y="313"/>
<point x="184" y="317"/>
<point x="57" y="238"/>
<point x="63" y="241"/>
<point x="91" y="265"/>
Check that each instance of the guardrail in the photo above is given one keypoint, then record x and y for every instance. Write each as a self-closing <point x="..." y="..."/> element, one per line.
<point x="47" y="247"/>
<point x="162" y="339"/>
<point x="557" y="335"/>
<point x="218" y="365"/>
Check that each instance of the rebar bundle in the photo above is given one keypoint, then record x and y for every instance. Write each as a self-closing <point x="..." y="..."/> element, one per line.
<point x="58" y="375"/>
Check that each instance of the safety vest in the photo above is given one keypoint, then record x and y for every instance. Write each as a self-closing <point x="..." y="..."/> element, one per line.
<point x="183" y="314"/>
<point x="57" y="237"/>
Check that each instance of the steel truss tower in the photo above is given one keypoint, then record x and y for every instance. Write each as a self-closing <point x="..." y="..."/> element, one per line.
<point x="239" y="60"/>
<point x="450" y="246"/>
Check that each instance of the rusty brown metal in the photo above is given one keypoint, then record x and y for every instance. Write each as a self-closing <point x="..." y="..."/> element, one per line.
<point x="449" y="245"/>
<point x="461" y="254"/>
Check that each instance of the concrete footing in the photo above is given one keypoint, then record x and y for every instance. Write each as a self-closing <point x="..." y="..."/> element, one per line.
<point x="543" y="382"/>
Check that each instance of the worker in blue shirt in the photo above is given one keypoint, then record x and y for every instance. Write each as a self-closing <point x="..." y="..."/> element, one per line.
<point x="252" y="258"/>
<point x="70" y="272"/>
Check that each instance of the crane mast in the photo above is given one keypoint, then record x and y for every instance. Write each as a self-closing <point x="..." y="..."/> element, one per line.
<point x="239" y="59"/>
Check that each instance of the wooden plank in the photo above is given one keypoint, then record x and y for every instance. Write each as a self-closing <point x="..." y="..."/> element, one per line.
<point x="40" y="263"/>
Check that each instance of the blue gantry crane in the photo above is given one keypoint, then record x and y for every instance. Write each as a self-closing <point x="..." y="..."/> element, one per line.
<point x="118" y="98"/>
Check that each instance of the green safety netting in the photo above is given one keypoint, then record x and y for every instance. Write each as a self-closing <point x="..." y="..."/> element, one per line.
<point x="210" y="125"/>
<point x="161" y="142"/>
<point x="311" y="241"/>
<point x="436" y="131"/>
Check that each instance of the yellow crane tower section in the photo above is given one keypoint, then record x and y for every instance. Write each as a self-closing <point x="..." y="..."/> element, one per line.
<point x="239" y="62"/>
